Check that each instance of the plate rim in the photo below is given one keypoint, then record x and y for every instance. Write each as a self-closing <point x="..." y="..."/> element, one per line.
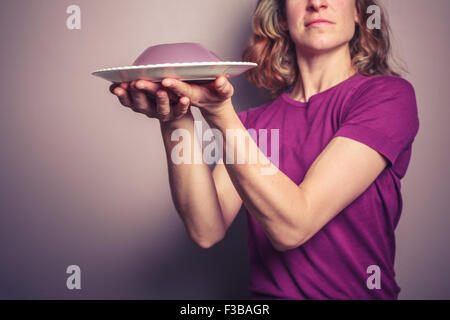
<point x="178" y="64"/>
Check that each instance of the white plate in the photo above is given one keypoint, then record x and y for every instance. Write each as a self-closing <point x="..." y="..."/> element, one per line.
<point x="183" y="71"/>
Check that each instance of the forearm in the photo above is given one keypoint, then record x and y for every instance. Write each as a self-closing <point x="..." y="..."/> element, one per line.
<point x="192" y="187"/>
<point x="272" y="198"/>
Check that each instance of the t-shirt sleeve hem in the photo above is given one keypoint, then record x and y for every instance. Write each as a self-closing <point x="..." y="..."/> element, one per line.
<point x="374" y="139"/>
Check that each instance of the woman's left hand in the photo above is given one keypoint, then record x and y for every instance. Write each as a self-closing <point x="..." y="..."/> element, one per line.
<point x="211" y="98"/>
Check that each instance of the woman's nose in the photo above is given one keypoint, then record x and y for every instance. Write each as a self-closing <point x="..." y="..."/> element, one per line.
<point x="316" y="5"/>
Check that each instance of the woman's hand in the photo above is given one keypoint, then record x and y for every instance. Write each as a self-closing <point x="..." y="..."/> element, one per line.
<point x="150" y="99"/>
<point x="210" y="98"/>
<point x="154" y="99"/>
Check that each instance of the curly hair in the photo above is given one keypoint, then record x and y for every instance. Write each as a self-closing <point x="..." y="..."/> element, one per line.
<point x="274" y="51"/>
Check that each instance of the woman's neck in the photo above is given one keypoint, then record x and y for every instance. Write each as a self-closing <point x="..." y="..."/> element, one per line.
<point x="319" y="72"/>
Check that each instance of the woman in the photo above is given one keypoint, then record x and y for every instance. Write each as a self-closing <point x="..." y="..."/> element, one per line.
<point x="322" y="226"/>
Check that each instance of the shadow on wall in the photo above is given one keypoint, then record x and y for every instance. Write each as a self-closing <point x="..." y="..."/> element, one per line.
<point x="189" y="272"/>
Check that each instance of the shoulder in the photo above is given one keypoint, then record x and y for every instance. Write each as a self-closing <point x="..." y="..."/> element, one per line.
<point x="383" y="101"/>
<point x="385" y="93"/>
<point x="383" y="85"/>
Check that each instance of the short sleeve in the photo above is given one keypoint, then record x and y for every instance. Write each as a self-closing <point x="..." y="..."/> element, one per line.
<point x="383" y="115"/>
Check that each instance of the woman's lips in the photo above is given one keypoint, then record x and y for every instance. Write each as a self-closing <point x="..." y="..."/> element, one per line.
<point x="318" y="22"/>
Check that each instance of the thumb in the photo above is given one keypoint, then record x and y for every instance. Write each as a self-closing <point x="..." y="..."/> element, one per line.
<point x="223" y="87"/>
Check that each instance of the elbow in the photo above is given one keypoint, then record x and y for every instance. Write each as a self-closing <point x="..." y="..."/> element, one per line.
<point x="207" y="243"/>
<point x="292" y="237"/>
<point x="285" y="247"/>
<point x="287" y="244"/>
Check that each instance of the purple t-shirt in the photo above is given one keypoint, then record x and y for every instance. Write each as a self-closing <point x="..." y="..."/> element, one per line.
<point x="379" y="111"/>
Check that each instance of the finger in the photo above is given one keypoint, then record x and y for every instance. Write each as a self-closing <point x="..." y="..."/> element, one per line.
<point x="124" y="97"/>
<point x="113" y="86"/>
<point x="125" y="85"/>
<point x="223" y="87"/>
<point x="152" y="87"/>
<point x="147" y="86"/>
<point x="181" y="108"/>
<point x="139" y="98"/>
<point x="178" y="87"/>
<point x="162" y="105"/>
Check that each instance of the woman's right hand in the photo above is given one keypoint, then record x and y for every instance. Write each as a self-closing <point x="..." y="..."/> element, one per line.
<point x="153" y="100"/>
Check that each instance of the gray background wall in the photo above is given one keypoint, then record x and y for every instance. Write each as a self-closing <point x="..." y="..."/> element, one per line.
<point x="84" y="181"/>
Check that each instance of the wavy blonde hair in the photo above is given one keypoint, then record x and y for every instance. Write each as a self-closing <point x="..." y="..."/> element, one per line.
<point x="274" y="51"/>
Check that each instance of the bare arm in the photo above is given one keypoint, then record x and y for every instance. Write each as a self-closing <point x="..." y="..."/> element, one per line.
<point x="291" y="214"/>
<point x="229" y="198"/>
<point x="206" y="202"/>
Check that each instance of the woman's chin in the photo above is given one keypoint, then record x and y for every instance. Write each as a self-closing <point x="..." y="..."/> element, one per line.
<point x="318" y="47"/>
